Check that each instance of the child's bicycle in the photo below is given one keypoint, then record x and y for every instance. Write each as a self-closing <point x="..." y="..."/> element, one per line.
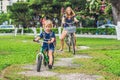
<point x="42" y="57"/>
<point x="70" y="39"/>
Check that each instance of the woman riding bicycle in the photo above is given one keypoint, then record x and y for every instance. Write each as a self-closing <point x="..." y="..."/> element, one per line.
<point x="68" y="17"/>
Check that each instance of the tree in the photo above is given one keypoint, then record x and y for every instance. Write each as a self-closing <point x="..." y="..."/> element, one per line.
<point x="20" y="13"/>
<point x="116" y="14"/>
<point x="4" y="17"/>
<point x="35" y="10"/>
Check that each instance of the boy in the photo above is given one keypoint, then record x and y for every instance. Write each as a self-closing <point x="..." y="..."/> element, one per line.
<point x="48" y="36"/>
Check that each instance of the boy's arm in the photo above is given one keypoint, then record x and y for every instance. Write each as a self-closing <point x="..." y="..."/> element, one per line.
<point x="51" y="41"/>
<point x="37" y="38"/>
<point x="52" y="38"/>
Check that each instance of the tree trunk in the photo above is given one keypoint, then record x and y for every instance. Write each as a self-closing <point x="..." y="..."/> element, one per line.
<point x="118" y="27"/>
<point x="116" y="16"/>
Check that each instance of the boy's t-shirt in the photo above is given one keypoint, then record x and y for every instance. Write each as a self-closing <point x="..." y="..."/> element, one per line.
<point x="47" y="37"/>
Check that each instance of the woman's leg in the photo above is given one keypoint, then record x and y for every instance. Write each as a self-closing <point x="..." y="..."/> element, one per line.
<point x="62" y="39"/>
<point x="75" y="39"/>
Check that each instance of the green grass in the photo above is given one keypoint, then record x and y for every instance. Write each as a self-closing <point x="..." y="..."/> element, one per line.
<point x="21" y="50"/>
<point x="14" y="50"/>
<point x="109" y="48"/>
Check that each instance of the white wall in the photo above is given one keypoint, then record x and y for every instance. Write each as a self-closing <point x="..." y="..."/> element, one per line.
<point x="5" y="3"/>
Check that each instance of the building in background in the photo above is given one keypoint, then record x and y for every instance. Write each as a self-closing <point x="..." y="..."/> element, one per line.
<point x="5" y="3"/>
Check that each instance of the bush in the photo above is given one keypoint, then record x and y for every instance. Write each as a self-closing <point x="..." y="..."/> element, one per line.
<point x="99" y="31"/>
<point x="6" y="30"/>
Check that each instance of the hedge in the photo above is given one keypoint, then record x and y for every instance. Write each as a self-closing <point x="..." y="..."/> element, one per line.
<point x="99" y="31"/>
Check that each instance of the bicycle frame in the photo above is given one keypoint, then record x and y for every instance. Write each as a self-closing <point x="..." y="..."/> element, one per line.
<point x="44" y="55"/>
<point x="70" y="41"/>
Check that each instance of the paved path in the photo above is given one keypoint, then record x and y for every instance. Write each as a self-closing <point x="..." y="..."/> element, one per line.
<point x="78" y="35"/>
<point x="63" y="62"/>
<point x="98" y="36"/>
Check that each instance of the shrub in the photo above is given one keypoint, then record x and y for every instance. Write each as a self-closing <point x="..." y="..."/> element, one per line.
<point x="93" y="31"/>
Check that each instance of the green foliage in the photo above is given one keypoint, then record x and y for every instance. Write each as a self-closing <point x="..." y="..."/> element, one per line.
<point x="108" y="9"/>
<point x="99" y="31"/>
<point x="20" y="13"/>
<point x="4" y="17"/>
<point x="24" y="13"/>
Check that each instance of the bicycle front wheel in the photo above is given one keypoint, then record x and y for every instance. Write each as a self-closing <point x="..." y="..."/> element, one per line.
<point x="39" y="63"/>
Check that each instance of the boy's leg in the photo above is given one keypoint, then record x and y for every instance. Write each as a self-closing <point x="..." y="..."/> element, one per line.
<point x="50" y="54"/>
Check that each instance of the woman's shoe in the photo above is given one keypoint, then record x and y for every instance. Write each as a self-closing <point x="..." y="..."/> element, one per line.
<point x="60" y="50"/>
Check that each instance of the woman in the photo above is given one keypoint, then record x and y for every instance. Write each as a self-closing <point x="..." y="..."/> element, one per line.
<point x="69" y="17"/>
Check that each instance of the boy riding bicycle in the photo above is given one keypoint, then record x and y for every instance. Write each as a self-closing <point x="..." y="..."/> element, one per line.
<point x="49" y="36"/>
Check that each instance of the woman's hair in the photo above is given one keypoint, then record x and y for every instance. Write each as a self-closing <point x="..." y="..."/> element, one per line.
<point x="72" y="12"/>
<point x="48" y="22"/>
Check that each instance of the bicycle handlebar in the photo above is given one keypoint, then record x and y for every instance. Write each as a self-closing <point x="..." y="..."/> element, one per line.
<point x="70" y="23"/>
<point x="40" y="41"/>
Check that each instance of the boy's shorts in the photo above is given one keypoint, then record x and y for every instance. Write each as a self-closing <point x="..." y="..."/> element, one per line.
<point x="47" y="49"/>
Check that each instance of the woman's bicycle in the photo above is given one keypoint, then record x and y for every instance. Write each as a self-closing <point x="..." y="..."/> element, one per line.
<point x="70" y="39"/>
<point x="42" y="56"/>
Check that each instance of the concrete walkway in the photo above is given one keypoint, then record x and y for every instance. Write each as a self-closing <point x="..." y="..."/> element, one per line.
<point x="78" y="35"/>
<point x="98" y="36"/>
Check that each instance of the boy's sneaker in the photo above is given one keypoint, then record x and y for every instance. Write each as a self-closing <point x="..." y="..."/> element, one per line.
<point x="50" y="66"/>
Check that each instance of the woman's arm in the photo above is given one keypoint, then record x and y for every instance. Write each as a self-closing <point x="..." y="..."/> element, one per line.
<point x="63" y="21"/>
<point x="75" y="19"/>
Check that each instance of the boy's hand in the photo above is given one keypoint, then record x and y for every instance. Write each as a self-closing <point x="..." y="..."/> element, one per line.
<point x="49" y="42"/>
<point x="35" y="40"/>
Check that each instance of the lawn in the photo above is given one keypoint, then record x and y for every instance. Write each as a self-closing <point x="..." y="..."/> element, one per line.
<point x="20" y="50"/>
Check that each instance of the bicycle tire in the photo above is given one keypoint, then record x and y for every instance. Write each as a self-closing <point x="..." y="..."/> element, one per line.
<point x="73" y="43"/>
<point x="69" y="48"/>
<point x="39" y="63"/>
<point x="67" y="41"/>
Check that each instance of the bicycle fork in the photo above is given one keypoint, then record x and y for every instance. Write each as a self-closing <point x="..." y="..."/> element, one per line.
<point x="39" y="54"/>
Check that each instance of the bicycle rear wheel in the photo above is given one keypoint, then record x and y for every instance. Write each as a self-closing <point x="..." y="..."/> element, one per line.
<point x="39" y="63"/>
<point x="67" y="41"/>
<point x="73" y="43"/>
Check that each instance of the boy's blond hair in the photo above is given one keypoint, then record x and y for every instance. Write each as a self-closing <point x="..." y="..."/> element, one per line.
<point x="48" y="22"/>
